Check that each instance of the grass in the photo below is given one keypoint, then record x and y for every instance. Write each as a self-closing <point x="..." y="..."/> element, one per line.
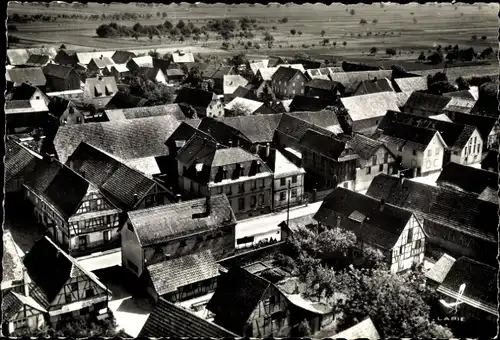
<point x="436" y="25"/>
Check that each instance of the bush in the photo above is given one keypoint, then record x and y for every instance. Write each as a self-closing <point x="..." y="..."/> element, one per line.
<point x="363" y="22"/>
<point x="293" y="31"/>
<point x="390" y="51"/>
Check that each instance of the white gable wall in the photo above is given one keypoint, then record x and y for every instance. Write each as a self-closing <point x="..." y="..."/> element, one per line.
<point x="408" y="251"/>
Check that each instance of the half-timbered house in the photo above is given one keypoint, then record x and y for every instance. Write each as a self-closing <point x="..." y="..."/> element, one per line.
<point x="21" y="313"/>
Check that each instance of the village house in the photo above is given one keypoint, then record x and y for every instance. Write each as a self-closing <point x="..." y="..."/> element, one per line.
<point x="153" y="74"/>
<point x="224" y="134"/>
<point x="174" y="75"/>
<point x="206" y="103"/>
<point x="230" y="84"/>
<point x="256" y="65"/>
<point x="59" y="289"/>
<point x="323" y="89"/>
<point x="19" y="163"/>
<point x="365" y="112"/>
<point x="206" y="167"/>
<point x="454" y="222"/>
<point x="351" y="79"/>
<point x="64" y="58"/>
<point x="14" y="276"/>
<point x="488" y="127"/>
<point x="122" y="100"/>
<point x="84" y="58"/>
<point x="260" y="308"/>
<point x="322" y="72"/>
<point x="410" y="84"/>
<point x="30" y="75"/>
<point x="135" y="63"/>
<point x="122" y="57"/>
<point x="66" y="111"/>
<point x="464" y="144"/>
<point x="478" y="302"/>
<point x="153" y="235"/>
<point x="239" y="107"/>
<point x="81" y="220"/>
<point x="425" y="104"/>
<point x="287" y="82"/>
<point x="99" y="91"/>
<point x="419" y="151"/>
<point x="170" y="320"/>
<point x="61" y="78"/>
<point x="19" y="56"/>
<point x="98" y="65"/>
<point x="475" y="181"/>
<point x="182" y="278"/>
<point x="143" y="112"/>
<point x="490" y="161"/>
<point x="394" y="231"/>
<point x="374" y="85"/>
<point x="305" y="103"/>
<point x="182" y="57"/>
<point x="216" y="73"/>
<point x="25" y="115"/>
<point x="118" y="71"/>
<point x="26" y="92"/>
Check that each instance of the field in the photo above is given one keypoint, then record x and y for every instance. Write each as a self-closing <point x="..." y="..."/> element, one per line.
<point x="443" y="24"/>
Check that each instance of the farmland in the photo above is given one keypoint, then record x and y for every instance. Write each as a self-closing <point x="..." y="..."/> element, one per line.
<point x="410" y="29"/>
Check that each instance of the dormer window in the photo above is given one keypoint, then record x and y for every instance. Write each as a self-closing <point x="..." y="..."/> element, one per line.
<point x="199" y="167"/>
<point x="224" y="173"/>
<point x="109" y="90"/>
<point x="97" y="91"/>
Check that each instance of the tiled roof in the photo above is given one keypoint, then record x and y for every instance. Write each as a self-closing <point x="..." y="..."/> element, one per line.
<point x="490" y="160"/>
<point x="25" y="106"/>
<point x="323" y="73"/>
<point x="169" y="275"/>
<point x="440" y="269"/>
<point x="50" y="268"/>
<point x="267" y="72"/>
<point x="159" y="224"/>
<point x="374" y="86"/>
<point x="103" y="62"/>
<point x="120" y="68"/>
<point x="254" y="67"/>
<point x="182" y="57"/>
<point x="169" y="320"/>
<point x="467" y="178"/>
<point x="127" y="139"/>
<point x="11" y="262"/>
<point x="17" y="159"/>
<point x="223" y="133"/>
<point x="325" y="119"/>
<point x="106" y="86"/>
<point x="460" y="105"/>
<point x="111" y="176"/>
<point x="363" y="330"/>
<point x="323" y="84"/>
<point x="282" y="167"/>
<point x="370" y="105"/>
<point x="481" y="290"/>
<point x="306" y="103"/>
<point x="30" y="75"/>
<point x="427" y="102"/>
<point x="296" y="127"/>
<point x="183" y="133"/>
<point x="257" y="128"/>
<point x="248" y="105"/>
<point x="36" y="60"/>
<point x="85" y="57"/>
<point x="175" y="72"/>
<point x="243" y="290"/>
<point x="146" y="111"/>
<point x="489" y="194"/>
<point x="413" y="137"/>
<point x="284" y="73"/>
<point x="350" y="80"/>
<point x="457" y="210"/>
<point x="411" y="84"/>
<point x="194" y="97"/>
<point x="323" y="144"/>
<point x="122" y="57"/>
<point x="294" y="224"/>
<point x="121" y="100"/>
<point x="463" y="94"/>
<point x="13" y="302"/>
<point x="483" y="124"/>
<point x="382" y="223"/>
<point x="364" y="146"/>
<point x="296" y="66"/>
<point x="231" y="83"/>
<point x="57" y="71"/>
<point x="19" y="56"/>
<point x="215" y="71"/>
<point x="22" y="92"/>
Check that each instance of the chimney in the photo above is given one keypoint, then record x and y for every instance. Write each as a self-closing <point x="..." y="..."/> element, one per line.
<point x="230" y="142"/>
<point x="382" y="204"/>
<point x="136" y="198"/>
<point x="268" y="149"/>
<point x="401" y="178"/>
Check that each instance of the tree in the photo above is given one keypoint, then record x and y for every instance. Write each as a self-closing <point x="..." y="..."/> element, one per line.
<point x="238" y="59"/>
<point x="334" y="43"/>
<point x="181" y="24"/>
<point x="374" y="21"/>
<point x="373" y="50"/>
<point x="268" y="38"/>
<point x="363" y="22"/>
<point x="284" y="20"/>
<point x="474" y="37"/>
<point x="299" y="32"/>
<point x="323" y="32"/>
<point x="484" y="37"/>
<point x="486" y="53"/>
<point x="390" y="51"/>
<point x="164" y="15"/>
<point x="435" y="58"/>
<point x="239" y="110"/>
<point x="421" y="57"/>
<point x="344" y="43"/>
<point x="304" y="329"/>
<point x="225" y="45"/>
<point x="325" y="41"/>
<point x="62" y="47"/>
<point x="352" y="12"/>
<point x="267" y="96"/>
<point x="462" y="84"/>
<point x="293" y="31"/>
<point x="302" y="55"/>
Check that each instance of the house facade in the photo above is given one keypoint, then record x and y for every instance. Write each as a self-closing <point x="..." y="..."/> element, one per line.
<point x="99" y="91"/>
<point x="206" y="103"/>
<point x="288" y="82"/>
<point x="61" y="78"/>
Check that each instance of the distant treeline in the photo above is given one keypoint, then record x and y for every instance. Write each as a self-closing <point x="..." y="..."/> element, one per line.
<point x="25" y="18"/>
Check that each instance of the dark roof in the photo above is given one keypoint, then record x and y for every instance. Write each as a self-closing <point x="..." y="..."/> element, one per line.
<point x="426" y="102"/>
<point x="363" y="146"/>
<point x="305" y="103"/>
<point x="308" y="63"/>
<point x="467" y="178"/>
<point x="50" y="268"/>
<point x="23" y="92"/>
<point x="323" y="144"/>
<point x="30" y="75"/>
<point x="102" y="62"/>
<point x="215" y="71"/>
<point x="122" y="57"/>
<point x="160" y="224"/>
<point x="414" y="137"/>
<point x="296" y="127"/>
<point x="194" y="97"/>
<point x="170" y="275"/>
<point x="148" y="72"/>
<point x="284" y="74"/>
<point x="57" y="71"/>
<point x="480" y="282"/>
<point x="457" y="210"/>
<point x="169" y="320"/>
<point x="37" y="60"/>
<point x="243" y="92"/>
<point x="161" y="64"/>
<point x="17" y="159"/>
<point x="121" y="100"/>
<point x="324" y="118"/>
<point x="484" y="124"/>
<point x="454" y="135"/>
<point x="222" y="133"/>
<point x="113" y="178"/>
<point x="238" y="293"/>
<point x="183" y="133"/>
<point x="374" y="86"/>
<point x="11" y="305"/>
<point x="376" y="222"/>
<point x="257" y="128"/>
<point x="17" y="104"/>
<point x="490" y="160"/>
<point x="323" y="84"/>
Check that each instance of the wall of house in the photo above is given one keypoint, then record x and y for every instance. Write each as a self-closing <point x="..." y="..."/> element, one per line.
<point x="79" y="288"/>
<point x="408" y="251"/>
<point x="270" y="317"/>
<point x="326" y="171"/>
<point x="71" y="82"/>
<point x="76" y="117"/>
<point x="27" y="317"/>
<point x="433" y="156"/>
<point x="132" y="252"/>
<point x="368" y="169"/>
<point x="160" y="77"/>
<point x="193" y="290"/>
<point x="269" y="234"/>
<point x="281" y="191"/>
<point x="471" y="153"/>
<point x="295" y="86"/>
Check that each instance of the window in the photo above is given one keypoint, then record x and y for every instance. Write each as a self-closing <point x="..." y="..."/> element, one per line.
<point x="261" y="199"/>
<point x="414" y="152"/>
<point x="282" y="181"/>
<point x="229" y="191"/>
<point x="368" y="170"/>
<point x="381" y="167"/>
<point x="106" y="235"/>
<point x="418" y="244"/>
<point x="74" y="286"/>
<point x="400" y="148"/>
<point x="410" y="236"/>
<point x="346" y="185"/>
<point x="437" y="151"/>
<point x="282" y="196"/>
<point x="386" y="157"/>
<point x="78" y="120"/>
<point x="182" y="243"/>
<point x="241" y="187"/>
<point x="244" y="240"/>
<point x="294" y="179"/>
<point x="253" y="201"/>
<point x="82" y="241"/>
<point x="254" y="185"/>
<point x="293" y="84"/>
<point x="401" y="250"/>
<point x="475" y="140"/>
<point x="68" y="298"/>
<point x="93" y="205"/>
<point x="267" y="302"/>
<point x="469" y="148"/>
<point x="428" y="164"/>
<point x="436" y="162"/>
<point x="262" y="183"/>
<point x="241" y="203"/>
<point x="90" y="292"/>
<point x="20" y="323"/>
<point x="429" y="153"/>
<point x="374" y="160"/>
<point x="294" y="193"/>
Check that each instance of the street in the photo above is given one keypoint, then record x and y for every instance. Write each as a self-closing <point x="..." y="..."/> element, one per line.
<point x="101" y="260"/>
